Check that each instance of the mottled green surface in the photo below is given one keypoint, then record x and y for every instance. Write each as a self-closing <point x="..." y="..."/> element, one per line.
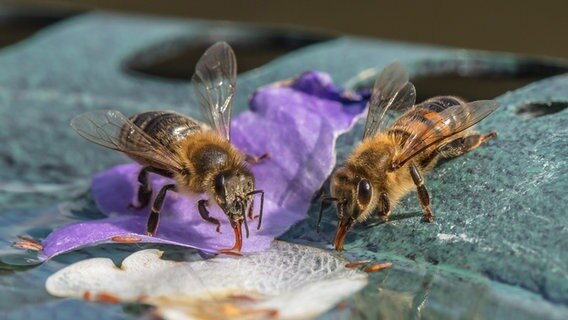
<point x="498" y="246"/>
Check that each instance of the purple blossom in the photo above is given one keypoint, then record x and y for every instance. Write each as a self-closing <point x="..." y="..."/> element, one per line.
<point x="297" y="123"/>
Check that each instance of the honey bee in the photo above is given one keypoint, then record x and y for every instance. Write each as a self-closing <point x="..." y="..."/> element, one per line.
<point x="391" y="160"/>
<point x="198" y="156"/>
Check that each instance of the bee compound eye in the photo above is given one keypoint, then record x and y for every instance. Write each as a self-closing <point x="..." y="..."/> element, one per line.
<point x="364" y="192"/>
<point x="220" y="185"/>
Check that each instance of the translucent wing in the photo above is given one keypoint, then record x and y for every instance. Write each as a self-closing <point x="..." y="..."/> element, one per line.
<point x="392" y="91"/>
<point x="214" y="83"/>
<point x="111" y="129"/>
<point x="451" y="121"/>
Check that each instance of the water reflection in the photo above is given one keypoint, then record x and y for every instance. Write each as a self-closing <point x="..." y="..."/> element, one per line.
<point x="411" y="291"/>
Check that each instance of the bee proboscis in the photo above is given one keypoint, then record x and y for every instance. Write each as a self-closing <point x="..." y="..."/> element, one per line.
<point x="198" y="156"/>
<point x="392" y="160"/>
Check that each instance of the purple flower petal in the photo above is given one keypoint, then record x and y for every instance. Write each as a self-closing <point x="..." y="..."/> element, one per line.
<point x="296" y="123"/>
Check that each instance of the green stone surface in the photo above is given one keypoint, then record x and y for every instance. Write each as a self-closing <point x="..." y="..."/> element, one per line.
<point x="498" y="247"/>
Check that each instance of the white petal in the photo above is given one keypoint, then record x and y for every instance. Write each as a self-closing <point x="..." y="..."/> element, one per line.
<point x="290" y="279"/>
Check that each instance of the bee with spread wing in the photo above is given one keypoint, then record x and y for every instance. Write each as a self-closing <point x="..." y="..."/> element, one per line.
<point x="391" y="160"/>
<point x="198" y="156"/>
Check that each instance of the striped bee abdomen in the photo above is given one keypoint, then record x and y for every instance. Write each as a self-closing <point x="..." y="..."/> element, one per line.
<point x="166" y="127"/>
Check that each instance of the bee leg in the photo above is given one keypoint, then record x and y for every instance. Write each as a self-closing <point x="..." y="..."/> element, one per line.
<point x="423" y="195"/>
<point x="204" y="213"/>
<point x="256" y="159"/>
<point x="465" y="144"/>
<point x="154" y="218"/>
<point x="252" y="193"/>
<point x="383" y="209"/>
<point x="144" y="190"/>
<point x="250" y="214"/>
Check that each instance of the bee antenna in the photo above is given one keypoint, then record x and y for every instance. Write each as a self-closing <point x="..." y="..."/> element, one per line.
<point x="326" y="199"/>
<point x="245" y="220"/>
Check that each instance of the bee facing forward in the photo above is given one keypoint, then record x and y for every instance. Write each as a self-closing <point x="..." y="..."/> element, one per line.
<point x="391" y="161"/>
<point x="199" y="157"/>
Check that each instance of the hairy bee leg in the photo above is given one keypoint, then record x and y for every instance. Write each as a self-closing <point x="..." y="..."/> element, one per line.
<point x="465" y="144"/>
<point x="154" y="218"/>
<point x="423" y="195"/>
<point x="144" y="190"/>
<point x="204" y="213"/>
<point x="256" y="159"/>
<point x="383" y="209"/>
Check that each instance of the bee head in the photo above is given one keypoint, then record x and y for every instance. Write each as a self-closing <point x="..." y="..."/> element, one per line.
<point x="352" y="195"/>
<point x="231" y="190"/>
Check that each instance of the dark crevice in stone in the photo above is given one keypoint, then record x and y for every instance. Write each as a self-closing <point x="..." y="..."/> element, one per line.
<point x="175" y="59"/>
<point x="17" y="24"/>
<point x="538" y="109"/>
<point x="480" y="78"/>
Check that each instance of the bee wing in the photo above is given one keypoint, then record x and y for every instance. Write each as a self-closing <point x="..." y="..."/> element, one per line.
<point x="392" y="91"/>
<point x="104" y="127"/>
<point x="453" y="120"/>
<point x="214" y="83"/>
